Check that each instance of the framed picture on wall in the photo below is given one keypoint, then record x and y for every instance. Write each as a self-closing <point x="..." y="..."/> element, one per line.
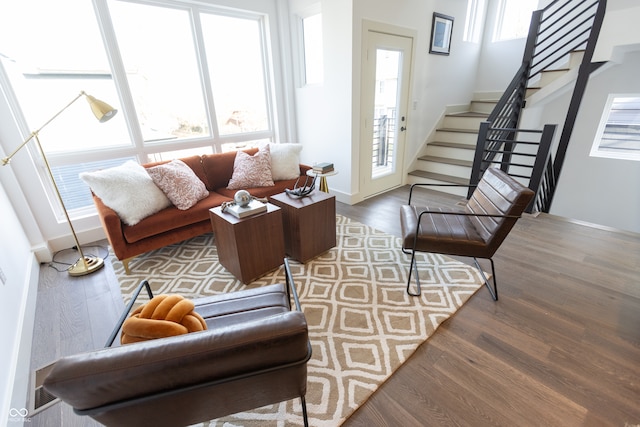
<point x="441" y="30"/>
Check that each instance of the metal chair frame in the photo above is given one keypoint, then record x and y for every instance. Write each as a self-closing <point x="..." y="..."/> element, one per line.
<point x="291" y="291"/>
<point x="493" y="290"/>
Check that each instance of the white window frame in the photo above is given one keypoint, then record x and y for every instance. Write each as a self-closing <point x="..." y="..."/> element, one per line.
<point x="280" y="111"/>
<point x="596" y="150"/>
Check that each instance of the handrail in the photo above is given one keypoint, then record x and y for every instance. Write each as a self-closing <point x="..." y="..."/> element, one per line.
<point x="556" y="31"/>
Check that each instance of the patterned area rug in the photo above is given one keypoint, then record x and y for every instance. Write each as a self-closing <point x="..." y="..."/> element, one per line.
<point x="362" y="323"/>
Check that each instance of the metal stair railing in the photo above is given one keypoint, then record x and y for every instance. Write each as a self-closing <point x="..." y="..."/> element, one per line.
<point x="555" y="32"/>
<point x="523" y="155"/>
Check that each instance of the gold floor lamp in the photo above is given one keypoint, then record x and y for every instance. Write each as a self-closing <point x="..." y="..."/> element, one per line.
<point x="103" y="112"/>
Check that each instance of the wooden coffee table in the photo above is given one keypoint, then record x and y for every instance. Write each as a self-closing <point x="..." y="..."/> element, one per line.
<point x="249" y="247"/>
<point x="309" y="224"/>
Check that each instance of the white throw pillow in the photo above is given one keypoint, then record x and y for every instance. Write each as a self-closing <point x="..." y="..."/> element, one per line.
<point x="285" y="161"/>
<point x="127" y="189"/>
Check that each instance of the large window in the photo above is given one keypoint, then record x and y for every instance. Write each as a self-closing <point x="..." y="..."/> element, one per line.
<point x="313" y="55"/>
<point x="474" y="22"/>
<point x="618" y="136"/>
<point x="186" y="77"/>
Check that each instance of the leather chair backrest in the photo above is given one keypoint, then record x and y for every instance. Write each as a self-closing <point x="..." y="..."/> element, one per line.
<point x="497" y="193"/>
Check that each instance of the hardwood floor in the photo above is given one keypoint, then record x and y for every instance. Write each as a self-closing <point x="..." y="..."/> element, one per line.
<point x="561" y="347"/>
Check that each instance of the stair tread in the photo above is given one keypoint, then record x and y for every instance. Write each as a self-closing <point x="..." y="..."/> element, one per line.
<point x="473" y="114"/>
<point x="446" y="160"/>
<point x="440" y="177"/>
<point x="460" y="145"/>
<point x="457" y="130"/>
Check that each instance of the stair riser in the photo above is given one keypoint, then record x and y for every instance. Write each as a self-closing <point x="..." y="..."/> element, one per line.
<point x="575" y="58"/>
<point x="458" y="191"/>
<point x="470" y="123"/>
<point x="460" y="137"/>
<point x="547" y="77"/>
<point x="444" y="168"/>
<point x="450" y="152"/>
<point x="482" y="107"/>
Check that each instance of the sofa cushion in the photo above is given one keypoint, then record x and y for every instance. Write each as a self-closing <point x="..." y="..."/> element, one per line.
<point x="172" y="218"/>
<point x="251" y="171"/>
<point x="285" y="161"/>
<point x="128" y="190"/>
<point x="179" y="183"/>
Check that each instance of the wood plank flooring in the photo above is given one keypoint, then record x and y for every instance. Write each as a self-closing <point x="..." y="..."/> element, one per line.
<point x="561" y="347"/>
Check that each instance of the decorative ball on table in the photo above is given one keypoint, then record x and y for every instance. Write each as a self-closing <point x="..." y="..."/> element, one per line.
<point x="242" y="198"/>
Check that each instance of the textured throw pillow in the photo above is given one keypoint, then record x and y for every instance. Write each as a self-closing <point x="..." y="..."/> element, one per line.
<point x="163" y="316"/>
<point x="251" y="171"/>
<point x="285" y="161"/>
<point x="179" y="183"/>
<point x="127" y="189"/>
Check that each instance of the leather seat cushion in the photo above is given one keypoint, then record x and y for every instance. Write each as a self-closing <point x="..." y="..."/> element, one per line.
<point x="445" y="234"/>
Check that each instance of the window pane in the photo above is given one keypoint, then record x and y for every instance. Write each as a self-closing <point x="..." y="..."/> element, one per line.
<point x="75" y="193"/>
<point x="515" y="19"/>
<point x="159" y="57"/>
<point x="620" y="136"/>
<point x="313" y="57"/>
<point x="50" y="56"/>
<point x="236" y="66"/>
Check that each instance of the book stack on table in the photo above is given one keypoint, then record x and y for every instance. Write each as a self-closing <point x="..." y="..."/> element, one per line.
<point x="323" y="168"/>
<point x="253" y="208"/>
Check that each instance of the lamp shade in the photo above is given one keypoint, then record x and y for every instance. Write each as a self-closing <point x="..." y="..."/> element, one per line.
<point x="101" y="109"/>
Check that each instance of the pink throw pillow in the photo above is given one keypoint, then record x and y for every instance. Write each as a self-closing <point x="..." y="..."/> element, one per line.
<point x="251" y="171"/>
<point x="179" y="183"/>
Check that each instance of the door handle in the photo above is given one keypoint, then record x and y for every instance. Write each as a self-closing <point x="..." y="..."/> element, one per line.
<point x="402" y="129"/>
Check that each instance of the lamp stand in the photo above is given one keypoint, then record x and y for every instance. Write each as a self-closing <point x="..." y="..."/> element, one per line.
<point x="86" y="264"/>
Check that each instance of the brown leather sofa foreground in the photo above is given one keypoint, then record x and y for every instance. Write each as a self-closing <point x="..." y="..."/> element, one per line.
<point x="172" y="225"/>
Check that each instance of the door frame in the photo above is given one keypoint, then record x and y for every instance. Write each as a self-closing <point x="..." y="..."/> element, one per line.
<point x="365" y="119"/>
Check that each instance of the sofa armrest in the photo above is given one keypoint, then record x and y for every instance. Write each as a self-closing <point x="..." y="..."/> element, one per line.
<point x="141" y="370"/>
<point x="112" y="226"/>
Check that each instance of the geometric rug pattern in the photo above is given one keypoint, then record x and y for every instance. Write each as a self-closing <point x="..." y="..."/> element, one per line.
<point x="362" y="323"/>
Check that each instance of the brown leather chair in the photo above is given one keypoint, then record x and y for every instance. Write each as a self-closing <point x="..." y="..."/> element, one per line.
<point x="254" y="353"/>
<point x="477" y="230"/>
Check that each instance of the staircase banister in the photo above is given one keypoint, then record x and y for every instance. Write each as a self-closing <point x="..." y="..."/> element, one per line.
<point x="504" y="99"/>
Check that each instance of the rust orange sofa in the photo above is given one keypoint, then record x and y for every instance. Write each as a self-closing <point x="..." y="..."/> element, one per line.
<point x="172" y="225"/>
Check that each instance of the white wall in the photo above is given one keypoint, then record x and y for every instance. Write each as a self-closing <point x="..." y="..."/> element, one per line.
<point x="17" y="305"/>
<point x="329" y="115"/>
<point x="499" y="61"/>
<point x="324" y="111"/>
<point x="598" y="190"/>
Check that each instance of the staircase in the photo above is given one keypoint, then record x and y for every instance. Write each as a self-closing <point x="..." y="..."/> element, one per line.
<point x="448" y="159"/>
<point x="558" y="54"/>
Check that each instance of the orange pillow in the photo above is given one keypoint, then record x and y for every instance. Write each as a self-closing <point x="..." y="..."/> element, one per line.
<point x="163" y="316"/>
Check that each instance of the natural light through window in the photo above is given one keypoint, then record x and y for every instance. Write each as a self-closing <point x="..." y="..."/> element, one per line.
<point x="162" y="70"/>
<point x="618" y="136"/>
<point x="474" y="22"/>
<point x="236" y="66"/>
<point x="313" y="56"/>
<point x="514" y="19"/>
<point x="185" y="77"/>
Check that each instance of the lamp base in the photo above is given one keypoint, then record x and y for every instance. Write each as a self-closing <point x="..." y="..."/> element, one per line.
<point x="91" y="264"/>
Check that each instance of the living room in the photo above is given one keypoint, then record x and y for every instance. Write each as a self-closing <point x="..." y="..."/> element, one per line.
<point x="30" y="227"/>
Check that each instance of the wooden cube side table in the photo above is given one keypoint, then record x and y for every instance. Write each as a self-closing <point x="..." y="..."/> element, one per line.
<point x="309" y="224"/>
<point x="249" y="247"/>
